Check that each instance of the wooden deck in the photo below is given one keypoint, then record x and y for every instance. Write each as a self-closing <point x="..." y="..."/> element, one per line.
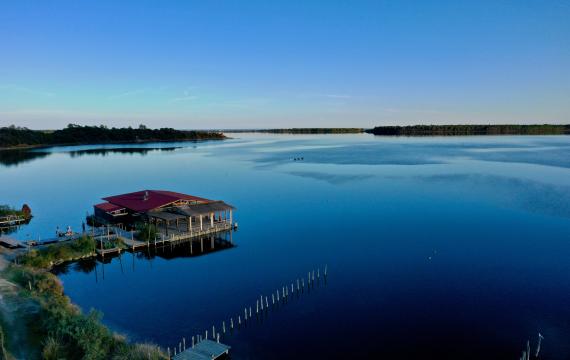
<point x="10" y="243"/>
<point x="12" y="220"/>
<point x="104" y="252"/>
<point x="204" y="350"/>
<point x="181" y="232"/>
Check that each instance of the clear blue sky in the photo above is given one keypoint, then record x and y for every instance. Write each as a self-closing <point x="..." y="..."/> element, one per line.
<point x="241" y="64"/>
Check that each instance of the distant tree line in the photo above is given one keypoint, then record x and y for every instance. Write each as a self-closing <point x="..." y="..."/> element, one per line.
<point x="13" y="136"/>
<point x="456" y="130"/>
<point x="306" y="131"/>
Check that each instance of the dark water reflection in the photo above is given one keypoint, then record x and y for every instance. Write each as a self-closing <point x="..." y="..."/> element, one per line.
<point x="437" y="248"/>
<point x="15" y="157"/>
<point x="20" y="156"/>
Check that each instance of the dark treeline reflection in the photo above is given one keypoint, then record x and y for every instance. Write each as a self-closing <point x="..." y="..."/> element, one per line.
<point x="122" y="150"/>
<point x="168" y="252"/>
<point x="17" y="157"/>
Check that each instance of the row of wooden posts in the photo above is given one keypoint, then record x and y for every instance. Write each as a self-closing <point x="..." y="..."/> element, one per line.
<point x="262" y="304"/>
<point x="526" y="354"/>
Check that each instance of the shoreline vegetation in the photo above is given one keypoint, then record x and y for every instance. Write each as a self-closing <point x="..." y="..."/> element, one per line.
<point x="301" y="131"/>
<point x="6" y="211"/>
<point x="467" y="130"/>
<point x="65" y="332"/>
<point x="13" y="137"/>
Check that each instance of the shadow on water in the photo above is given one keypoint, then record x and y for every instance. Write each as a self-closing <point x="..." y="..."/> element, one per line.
<point x="189" y="249"/>
<point x="120" y="150"/>
<point x="20" y="156"/>
<point x="16" y="157"/>
<point x="186" y="249"/>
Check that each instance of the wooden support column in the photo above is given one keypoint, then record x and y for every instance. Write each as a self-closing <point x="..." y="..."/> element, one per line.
<point x="201" y="226"/>
<point x="212" y="220"/>
<point x="231" y="217"/>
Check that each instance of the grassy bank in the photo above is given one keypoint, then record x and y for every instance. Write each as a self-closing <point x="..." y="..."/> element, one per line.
<point x="6" y="210"/>
<point x="3" y="352"/>
<point x="51" y="255"/>
<point x="65" y="331"/>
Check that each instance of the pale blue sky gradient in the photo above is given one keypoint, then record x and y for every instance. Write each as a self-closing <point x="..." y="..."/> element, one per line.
<point x="259" y="64"/>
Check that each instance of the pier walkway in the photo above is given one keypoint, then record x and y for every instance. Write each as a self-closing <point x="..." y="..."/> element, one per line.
<point x="10" y="243"/>
<point x="12" y="220"/>
<point x="204" y="350"/>
<point x="183" y="232"/>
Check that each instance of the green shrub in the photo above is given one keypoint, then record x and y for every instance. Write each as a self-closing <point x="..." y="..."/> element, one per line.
<point x="6" y="210"/>
<point x="146" y="231"/>
<point x="53" y="349"/>
<point x="70" y="334"/>
<point x="3" y="352"/>
<point x="47" y="256"/>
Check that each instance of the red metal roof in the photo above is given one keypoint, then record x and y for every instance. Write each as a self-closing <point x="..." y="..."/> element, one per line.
<point x="137" y="201"/>
<point x="108" y="207"/>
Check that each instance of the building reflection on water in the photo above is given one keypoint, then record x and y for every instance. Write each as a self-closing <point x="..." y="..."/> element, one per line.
<point x="127" y="259"/>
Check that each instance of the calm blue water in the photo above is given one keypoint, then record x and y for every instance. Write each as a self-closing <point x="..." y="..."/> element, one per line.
<point x="447" y="248"/>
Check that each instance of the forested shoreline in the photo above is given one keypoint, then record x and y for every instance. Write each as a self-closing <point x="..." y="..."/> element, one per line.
<point x="14" y="137"/>
<point x="301" y="131"/>
<point x="459" y="130"/>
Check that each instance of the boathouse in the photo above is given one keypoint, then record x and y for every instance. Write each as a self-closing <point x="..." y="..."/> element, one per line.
<point x="170" y="211"/>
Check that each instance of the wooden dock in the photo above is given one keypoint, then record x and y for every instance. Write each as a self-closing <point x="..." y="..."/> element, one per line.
<point x="128" y="238"/>
<point x="10" y="243"/>
<point x="104" y="252"/>
<point x="175" y="234"/>
<point x="204" y="350"/>
<point x="12" y="220"/>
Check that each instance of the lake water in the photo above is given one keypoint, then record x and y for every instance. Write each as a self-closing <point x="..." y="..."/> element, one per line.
<point x="436" y="248"/>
